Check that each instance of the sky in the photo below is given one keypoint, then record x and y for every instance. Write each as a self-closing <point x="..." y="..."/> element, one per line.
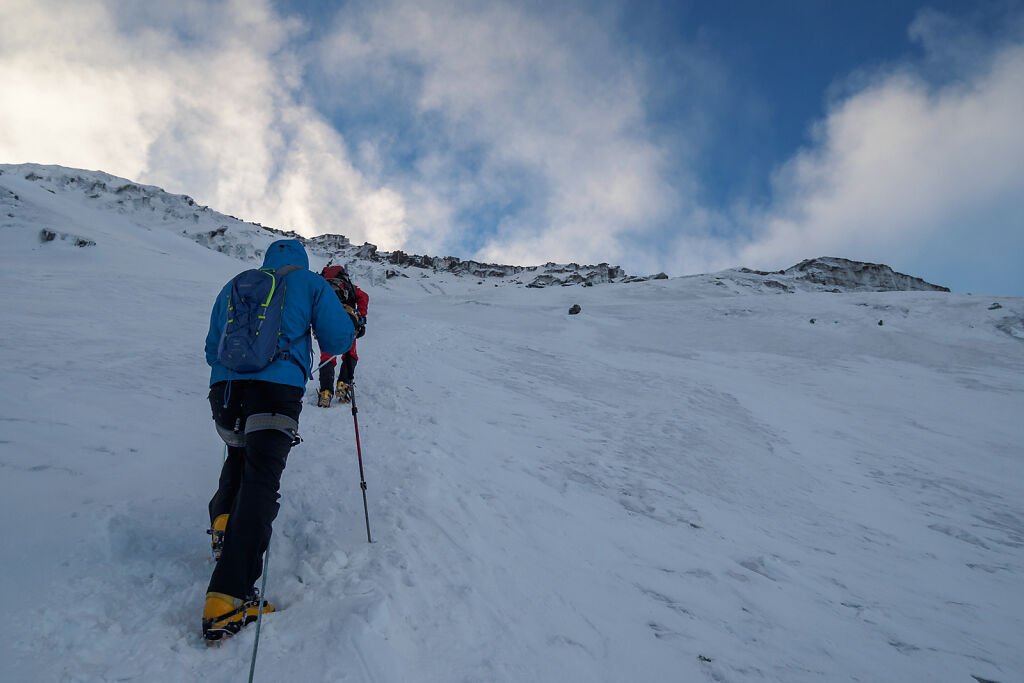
<point x="681" y="137"/>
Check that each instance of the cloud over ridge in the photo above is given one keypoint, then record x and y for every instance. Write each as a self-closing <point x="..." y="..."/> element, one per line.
<point x="547" y="95"/>
<point x="916" y="170"/>
<point x="217" y="113"/>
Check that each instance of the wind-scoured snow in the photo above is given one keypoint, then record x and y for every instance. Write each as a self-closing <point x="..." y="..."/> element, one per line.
<point x="699" y="478"/>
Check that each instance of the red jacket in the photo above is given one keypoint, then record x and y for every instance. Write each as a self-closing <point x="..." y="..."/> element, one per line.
<point x="362" y="302"/>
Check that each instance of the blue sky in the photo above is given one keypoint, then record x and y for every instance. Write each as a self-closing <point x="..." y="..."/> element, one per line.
<point x="663" y="136"/>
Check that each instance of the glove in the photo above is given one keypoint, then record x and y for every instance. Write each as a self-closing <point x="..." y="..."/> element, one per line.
<point x="358" y="320"/>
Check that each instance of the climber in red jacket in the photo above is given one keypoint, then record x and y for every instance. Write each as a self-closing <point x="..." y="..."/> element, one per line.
<point x="355" y="301"/>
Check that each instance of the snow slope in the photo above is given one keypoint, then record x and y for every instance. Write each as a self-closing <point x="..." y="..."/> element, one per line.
<point x="687" y="481"/>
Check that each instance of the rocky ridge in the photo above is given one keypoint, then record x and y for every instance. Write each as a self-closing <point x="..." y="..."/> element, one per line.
<point x="840" y="274"/>
<point x="148" y="204"/>
<point x="248" y="241"/>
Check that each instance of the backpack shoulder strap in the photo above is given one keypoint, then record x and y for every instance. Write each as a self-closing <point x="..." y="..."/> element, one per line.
<point x="280" y="274"/>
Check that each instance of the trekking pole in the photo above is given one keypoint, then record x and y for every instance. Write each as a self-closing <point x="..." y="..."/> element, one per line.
<point x="262" y="599"/>
<point x="324" y="363"/>
<point x="359" y="453"/>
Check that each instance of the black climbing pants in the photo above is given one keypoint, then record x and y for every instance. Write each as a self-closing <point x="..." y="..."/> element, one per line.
<point x="346" y="373"/>
<point x="249" y="479"/>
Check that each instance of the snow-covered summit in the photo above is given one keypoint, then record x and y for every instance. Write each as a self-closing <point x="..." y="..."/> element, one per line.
<point x="152" y="206"/>
<point x="825" y="274"/>
<point x="843" y="275"/>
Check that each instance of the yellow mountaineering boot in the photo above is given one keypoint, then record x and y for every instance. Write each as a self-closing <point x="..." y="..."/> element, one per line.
<point x="344" y="392"/>
<point x="325" y="398"/>
<point x="217" y="535"/>
<point x="224" y="616"/>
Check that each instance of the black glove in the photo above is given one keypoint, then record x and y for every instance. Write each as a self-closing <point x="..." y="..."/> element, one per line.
<point x="358" y="321"/>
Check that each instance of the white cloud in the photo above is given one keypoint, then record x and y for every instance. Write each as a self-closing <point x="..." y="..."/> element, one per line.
<point x="545" y="100"/>
<point x="197" y="97"/>
<point x="907" y="170"/>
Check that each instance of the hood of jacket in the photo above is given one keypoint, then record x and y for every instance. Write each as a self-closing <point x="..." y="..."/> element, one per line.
<point x="285" y="253"/>
<point x="331" y="272"/>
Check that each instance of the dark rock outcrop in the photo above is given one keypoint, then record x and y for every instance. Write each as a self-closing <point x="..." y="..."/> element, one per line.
<point x="53" y="236"/>
<point x="850" y="275"/>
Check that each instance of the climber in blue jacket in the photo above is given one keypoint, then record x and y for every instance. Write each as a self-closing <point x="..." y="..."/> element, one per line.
<point x="257" y="413"/>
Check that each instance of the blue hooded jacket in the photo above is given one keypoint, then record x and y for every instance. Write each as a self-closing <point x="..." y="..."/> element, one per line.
<point x="309" y="302"/>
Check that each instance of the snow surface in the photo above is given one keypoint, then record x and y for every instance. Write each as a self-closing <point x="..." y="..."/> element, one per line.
<point x="687" y="481"/>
